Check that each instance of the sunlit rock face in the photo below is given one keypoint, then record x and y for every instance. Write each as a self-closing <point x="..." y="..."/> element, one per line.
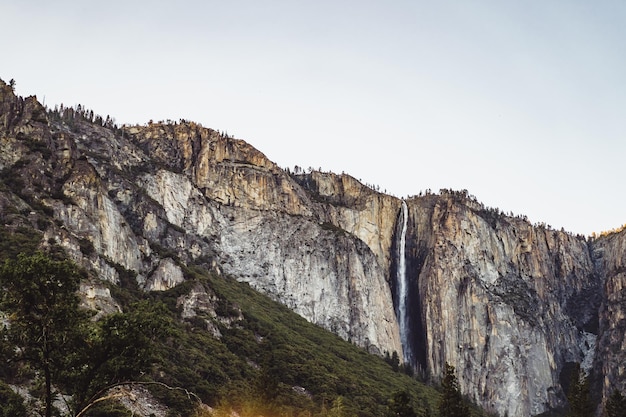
<point x="361" y="211"/>
<point x="225" y="170"/>
<point x="166" y="276"/>
<point x="264" y="228"/>
<point x="507" y="303"/>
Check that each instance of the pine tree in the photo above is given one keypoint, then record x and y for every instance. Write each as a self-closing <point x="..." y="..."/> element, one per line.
<point x="451" y="403"/>
<point x="48" y="331"/>
<point x="45" y="321"/>
<point x="338" y="408"/>
<point x="400" y="405"/>
<point x="616" y="405"/>
<point x="395" y="361"/>
<point x="579" y="394"/>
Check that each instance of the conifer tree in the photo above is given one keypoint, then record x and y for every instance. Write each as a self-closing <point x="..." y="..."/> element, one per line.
<point x="338" y="408"/>
<point x="400" y="405"/>
<point x="45" y="322"/>
<point x="579" y="394"/>
<point x="395" y="361"/>
<point x="616" y="405"/>
<point x="48" y="331"/>
<point x="451" y="403"/>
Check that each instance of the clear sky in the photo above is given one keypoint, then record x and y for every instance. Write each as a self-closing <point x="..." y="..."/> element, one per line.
<point x="522" y="103"/>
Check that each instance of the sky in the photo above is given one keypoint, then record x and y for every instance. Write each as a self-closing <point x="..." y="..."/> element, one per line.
<point x="522" y="103"/>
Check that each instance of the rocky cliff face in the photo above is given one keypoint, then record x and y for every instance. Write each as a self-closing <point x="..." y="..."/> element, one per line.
<point x="610" y="256"/>
<point x="150" y="199"/>
<point x="508" y="304"/>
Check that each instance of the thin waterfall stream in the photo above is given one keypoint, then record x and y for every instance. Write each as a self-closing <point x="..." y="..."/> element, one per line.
<point x="402" y="286"/>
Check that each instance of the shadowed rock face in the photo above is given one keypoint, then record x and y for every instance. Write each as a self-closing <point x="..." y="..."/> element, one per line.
<point x="610" y="255"/>
<point x="508" y="304"/>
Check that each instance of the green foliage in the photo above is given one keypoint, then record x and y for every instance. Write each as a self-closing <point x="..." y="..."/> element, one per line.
<point x="616" y="405"/>
<point x="395" y="361"/>
<point x="20" y="240"/>
<point x="127" y="292"/>
<point x="86" y="246"/>
<point x="579" y="394"/>
<point x="255" y="357"/>
<point x="11" y="177"/>
<point x="45" y="322"/>
<point x="11" y="404"/>
<point x="451" y="403"/>
<point x="188" y="356"/>
<point x="120" y="348"/>
<point x="56" y="339"/>
<point x="266" y="359"/>
<point x="338" y="409"/>
<point x="400" y="405"/>
<point x="109" y="409"/>
<point x="295" y="353"/>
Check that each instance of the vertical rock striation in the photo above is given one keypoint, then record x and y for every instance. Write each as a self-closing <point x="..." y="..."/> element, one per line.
<point x="610" y="255"/>
<point x="495" y="301"/>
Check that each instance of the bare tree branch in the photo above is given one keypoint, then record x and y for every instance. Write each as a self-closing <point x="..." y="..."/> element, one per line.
<point x="100" y="395"/>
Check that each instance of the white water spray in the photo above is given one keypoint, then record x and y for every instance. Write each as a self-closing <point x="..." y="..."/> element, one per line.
<point x="403" y="289"/>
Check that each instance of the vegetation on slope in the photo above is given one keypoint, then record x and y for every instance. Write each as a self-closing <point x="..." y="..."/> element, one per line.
<point x="270" y="359"/>
<point x="248" y="353"/>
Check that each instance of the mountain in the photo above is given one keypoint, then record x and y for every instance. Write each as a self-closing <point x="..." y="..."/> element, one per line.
<point x="436" y="278"/>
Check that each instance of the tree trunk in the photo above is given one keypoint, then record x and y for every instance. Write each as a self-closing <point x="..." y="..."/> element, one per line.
<point x="47" y="373"/>
<point x="48" y="391"/>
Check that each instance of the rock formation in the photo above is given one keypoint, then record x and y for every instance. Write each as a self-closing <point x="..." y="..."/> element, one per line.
<point x="507" y="303"/>
<point x="609" y="253"/>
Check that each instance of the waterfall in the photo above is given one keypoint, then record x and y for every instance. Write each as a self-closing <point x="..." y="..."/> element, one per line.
<point x="403" y="290"/>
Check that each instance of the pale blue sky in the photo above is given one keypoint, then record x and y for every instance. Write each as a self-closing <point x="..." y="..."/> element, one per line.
<point x="521" y="103"/>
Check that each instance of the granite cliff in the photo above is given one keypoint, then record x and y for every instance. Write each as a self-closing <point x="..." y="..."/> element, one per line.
<point x="506" y="303"/>
<point x="509" y="304"/>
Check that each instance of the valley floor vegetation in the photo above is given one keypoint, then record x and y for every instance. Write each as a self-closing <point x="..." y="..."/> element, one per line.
<point x="259" y="358"/>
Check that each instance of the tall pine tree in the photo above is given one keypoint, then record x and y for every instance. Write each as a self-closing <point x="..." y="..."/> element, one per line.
<point x="48" y="331"/>
<point x="45" y="320"/>
<point x="451" y="403"/>
<point x="579" y="394"/>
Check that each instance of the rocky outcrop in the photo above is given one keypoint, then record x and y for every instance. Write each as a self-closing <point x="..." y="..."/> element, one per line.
<point x="226" y="170"/>
<point x="319" y="271"/>
<point x="166" y="276"/>
<point x="316" y="268"/>
<point x="509" y="304"/>
<point x="361" y="211"/>
<point x="495" y="298"/>
<point x="610" y="256"/>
